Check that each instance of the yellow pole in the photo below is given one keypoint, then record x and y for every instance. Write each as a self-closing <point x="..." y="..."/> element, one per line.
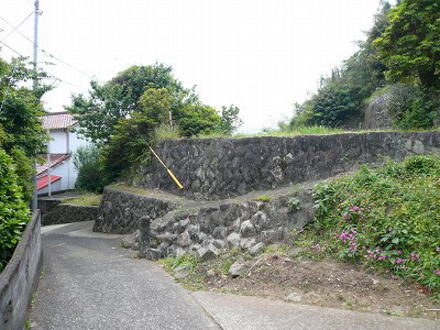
<point x="176" y="181"/>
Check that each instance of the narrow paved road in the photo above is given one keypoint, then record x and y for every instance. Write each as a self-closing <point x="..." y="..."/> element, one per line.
<point x="89" y="282"/>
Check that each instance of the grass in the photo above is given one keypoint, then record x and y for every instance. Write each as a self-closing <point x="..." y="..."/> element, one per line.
<point x="146" y="192"/>
<point x="263" y="198"/>
<point x="84" y="200"/>
<point x="306" y="130"/>
<point x="310" y="130"/>
<point x="164" y="132"/>
<point x="197" y="270"/>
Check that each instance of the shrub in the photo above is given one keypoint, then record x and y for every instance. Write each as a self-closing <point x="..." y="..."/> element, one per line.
<point x="388" y="218"/>
<point x="87" y="162"/>
<point x="333" y="105"/>
<point x="198" y="119"/>
<point x="13" y="211"/>
<point x="412" y="107"/>
<point x="128" y="146"/>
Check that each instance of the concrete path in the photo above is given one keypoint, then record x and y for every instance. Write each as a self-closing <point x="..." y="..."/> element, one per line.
<point x="250" y="313"/>
<point x="89" y="282"/>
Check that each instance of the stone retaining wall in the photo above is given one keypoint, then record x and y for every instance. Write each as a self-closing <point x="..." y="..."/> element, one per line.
<point x="121" y="211"/>
<point x="224" y="168"/>
<point x="20" y="277"/>
<point x="67" y="213"/>
<point x="249" y="225"/>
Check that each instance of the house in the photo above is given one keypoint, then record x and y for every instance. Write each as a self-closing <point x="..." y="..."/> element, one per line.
<point x="62" y="144"/>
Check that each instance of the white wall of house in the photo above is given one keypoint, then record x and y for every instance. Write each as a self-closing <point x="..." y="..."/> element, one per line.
<point x="63" y="142"/>
<point x="58" y="142"/>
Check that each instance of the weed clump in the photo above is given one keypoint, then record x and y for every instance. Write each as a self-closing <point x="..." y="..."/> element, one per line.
<point x="388" y="218"/>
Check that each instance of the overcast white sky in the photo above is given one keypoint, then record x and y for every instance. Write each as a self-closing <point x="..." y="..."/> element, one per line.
<point x="261" y="55"/>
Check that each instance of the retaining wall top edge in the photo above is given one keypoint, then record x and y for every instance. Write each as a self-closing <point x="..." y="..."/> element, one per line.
<point x="255" y="138"/>
<point x="173" y="199"/>
<point x="76" y="205"/>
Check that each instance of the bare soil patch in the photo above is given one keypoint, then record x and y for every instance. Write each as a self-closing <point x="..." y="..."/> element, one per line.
<point x="324" y="282"/>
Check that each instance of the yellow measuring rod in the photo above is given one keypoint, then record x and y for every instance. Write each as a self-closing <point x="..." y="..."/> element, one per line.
<point x="176" y="181"/>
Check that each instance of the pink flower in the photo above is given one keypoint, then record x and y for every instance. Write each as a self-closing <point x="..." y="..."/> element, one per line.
<point x="437" y="272"/>
<point x="414" y="256"/>
<point x="399" y="251"/>
<point x="399" y="261"/>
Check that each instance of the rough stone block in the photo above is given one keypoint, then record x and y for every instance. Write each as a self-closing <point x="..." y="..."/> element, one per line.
<point x="233" y="240"/>
<point x="247" y="229"/>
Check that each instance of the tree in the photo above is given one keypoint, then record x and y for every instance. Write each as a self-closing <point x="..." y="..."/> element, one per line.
<point x="98" y="113"/>
<point x="230" y="120"/>
<point x="409" y="46"/>
<point x="87" y="161"/>
<point x="21" y="108"/>
<point x="128" y="145"/>
<point x="333" y="105"/>
<point x="21" y="133"/>
<point x="198" y="119"/>
<point x="157" y="104"/>
<point x="13" y="211"/>
<point x="342" y="95"/>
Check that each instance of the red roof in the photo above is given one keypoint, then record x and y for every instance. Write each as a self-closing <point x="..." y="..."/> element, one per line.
<point x="55" y="160"/>
<point x="58" y="120"/>
<point x="43" y="181"/>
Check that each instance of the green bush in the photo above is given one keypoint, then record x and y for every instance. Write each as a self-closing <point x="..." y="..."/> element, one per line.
<point x="198" y="119"/>
<point x="13" y="211"/>
<point x="333" y="105"/>
<point x="87" y="162"/>
<point x="388" y="218"/>
<point x="413" y="107"/>
<point x="128" y="146"/>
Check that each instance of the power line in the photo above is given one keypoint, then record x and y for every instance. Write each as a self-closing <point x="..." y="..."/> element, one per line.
<point x="16" y="65"/>
<point x="65" y="63"/>
<point x="16" y="27"/>
<point x="12" y="49"/>
<point x="48" y="54"/>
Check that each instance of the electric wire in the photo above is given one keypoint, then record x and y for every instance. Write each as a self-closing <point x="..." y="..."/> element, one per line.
<point x="48" y="54"/>
<point x="16" y="27"/>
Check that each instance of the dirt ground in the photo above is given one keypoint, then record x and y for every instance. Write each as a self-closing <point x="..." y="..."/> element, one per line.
<point x="319" y="282"/>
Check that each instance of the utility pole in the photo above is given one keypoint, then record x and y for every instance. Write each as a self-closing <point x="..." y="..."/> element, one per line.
<point x="35" y="58"/>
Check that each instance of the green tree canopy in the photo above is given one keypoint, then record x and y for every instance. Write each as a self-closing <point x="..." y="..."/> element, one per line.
<point x="157" y="104"/>
<point x="410" y="45"/>
<point x="341" y="96"/>
<point x="230" y="120"/>
<point x="98" y="113"/>
<point x="21" y="133"/>
<point x="198" y="119"/>
<point x="13" y="211"/>
<point x="21" y="108"/>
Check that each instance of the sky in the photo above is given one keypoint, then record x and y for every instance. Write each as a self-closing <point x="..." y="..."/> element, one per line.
<point x="261" y="55"/>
